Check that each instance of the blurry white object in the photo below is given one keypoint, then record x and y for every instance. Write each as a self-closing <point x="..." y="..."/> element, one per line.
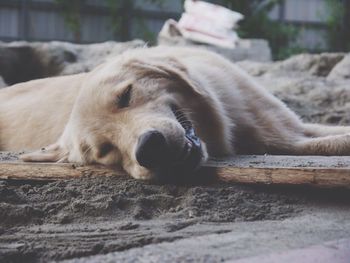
<point x="221" y="16"/>
<point x="208" y="23"/>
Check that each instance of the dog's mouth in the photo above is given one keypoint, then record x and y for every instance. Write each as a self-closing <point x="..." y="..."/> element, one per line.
<point x="192" y="154"/>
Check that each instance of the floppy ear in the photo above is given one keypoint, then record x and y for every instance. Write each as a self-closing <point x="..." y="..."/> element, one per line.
<point x="169" y="68"/>
<point x="52" y="153"/>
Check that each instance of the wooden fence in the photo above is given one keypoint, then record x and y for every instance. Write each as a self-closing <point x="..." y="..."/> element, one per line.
<point x="42" y="20"/>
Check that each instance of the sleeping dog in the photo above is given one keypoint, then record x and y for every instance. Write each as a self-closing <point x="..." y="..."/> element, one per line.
<point x="152" y="110"/>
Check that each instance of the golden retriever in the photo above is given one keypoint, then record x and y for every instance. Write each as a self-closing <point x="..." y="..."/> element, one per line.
<point x="152" y="110"/>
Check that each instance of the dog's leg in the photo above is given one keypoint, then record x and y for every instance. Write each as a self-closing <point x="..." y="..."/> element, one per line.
<point x="326" y="145"/>
<point x="312" y="139"/>
<point x="319" y="130"/>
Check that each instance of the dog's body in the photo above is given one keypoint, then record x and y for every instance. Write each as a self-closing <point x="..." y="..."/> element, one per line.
<point x="35" y="113"/>
<point x="147" y="102"/>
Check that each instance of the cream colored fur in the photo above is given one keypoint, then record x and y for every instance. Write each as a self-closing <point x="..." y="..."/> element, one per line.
<point x="77" y="116"/>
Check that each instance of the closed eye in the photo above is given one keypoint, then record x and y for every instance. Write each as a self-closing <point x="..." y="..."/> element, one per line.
<point x="104" y="149"/>
<point x="123" y="100"/>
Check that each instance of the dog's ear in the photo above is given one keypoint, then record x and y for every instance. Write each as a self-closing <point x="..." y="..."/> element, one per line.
<point x="169" y="68"/>
<point x="52" y="153"/>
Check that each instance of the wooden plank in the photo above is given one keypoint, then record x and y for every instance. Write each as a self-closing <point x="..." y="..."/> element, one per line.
<point x="51" y="171"/>
<point x="283" y="161"/>
<point x="320" y="171"/>
<point x="322" y="177"/>
<point x="295" y="170"/>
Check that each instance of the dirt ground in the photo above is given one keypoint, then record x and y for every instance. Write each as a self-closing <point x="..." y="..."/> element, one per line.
<point x="43" y="221"/>
<point x="108" y="214"/>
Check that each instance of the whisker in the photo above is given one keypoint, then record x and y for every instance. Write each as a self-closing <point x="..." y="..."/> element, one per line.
<point x="63" y="157"/>
<point x="85" y="153"/>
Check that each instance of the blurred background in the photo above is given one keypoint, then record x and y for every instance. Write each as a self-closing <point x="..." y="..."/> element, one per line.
<point x="290" y="26"/>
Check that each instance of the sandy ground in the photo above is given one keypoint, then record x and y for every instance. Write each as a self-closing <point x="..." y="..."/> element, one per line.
<point x="88" y="216"/>
<point x="42" y="221"/>
<point x="124" y="220"/>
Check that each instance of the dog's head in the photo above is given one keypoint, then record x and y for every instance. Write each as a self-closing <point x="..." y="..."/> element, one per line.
<point x="135" y="114"/>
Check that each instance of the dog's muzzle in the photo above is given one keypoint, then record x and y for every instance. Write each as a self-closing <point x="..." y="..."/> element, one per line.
<point x="154" y="153"/>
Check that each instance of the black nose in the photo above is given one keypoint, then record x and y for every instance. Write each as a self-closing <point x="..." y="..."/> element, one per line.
<point x="152" y="150"/>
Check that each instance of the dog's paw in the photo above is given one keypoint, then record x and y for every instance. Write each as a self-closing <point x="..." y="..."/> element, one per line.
<point x="52" y="153"/>
<point x="140" y="173"/>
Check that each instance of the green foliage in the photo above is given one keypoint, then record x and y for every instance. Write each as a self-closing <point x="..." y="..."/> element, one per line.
<point x="142" y="30"/>
<point x="257" y="24"/>
<point x="71" y="11"/>
<point x="115" y="17"/>
<point x="338" y="25"/>
<point x="156" y="2"/>
<point x="119" y="21"/>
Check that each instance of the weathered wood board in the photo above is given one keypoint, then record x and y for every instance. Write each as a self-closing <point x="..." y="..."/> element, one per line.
<point x="318" y="171"/>
<point x="321" y="171"/>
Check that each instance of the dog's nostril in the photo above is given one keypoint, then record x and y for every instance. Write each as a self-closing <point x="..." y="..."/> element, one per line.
<point x="152" y="149"/>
